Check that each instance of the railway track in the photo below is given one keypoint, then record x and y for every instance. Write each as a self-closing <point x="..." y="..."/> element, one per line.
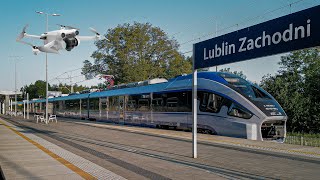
<point x="76" y="141"/>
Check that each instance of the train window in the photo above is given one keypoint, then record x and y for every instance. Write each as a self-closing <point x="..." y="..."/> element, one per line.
<point x="113" y="103"/>
<point x="210" y="102"/>
<point x="143" y="104"/>
<point x="104" y="106"/>
<point x="84" y="104"/>
<point x="104" y="102"/>
<point x="237" y="111"/>
<point x="121" y="102"/>
<point x="56" y="105"/>
<point x="72" y="104"/>
<point x="239" y="84"/>
<point x="259" y="94"/>
<point x="157" y="102"/>
<point x="94" y="104"/>
<point x="131" y="105"/>
<point x="172" y="102"/>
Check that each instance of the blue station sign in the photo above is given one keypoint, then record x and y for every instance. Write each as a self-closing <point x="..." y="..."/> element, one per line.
<point x="295" y="31"/>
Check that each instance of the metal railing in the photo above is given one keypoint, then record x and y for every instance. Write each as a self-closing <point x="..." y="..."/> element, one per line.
<point x="303" y="141"/>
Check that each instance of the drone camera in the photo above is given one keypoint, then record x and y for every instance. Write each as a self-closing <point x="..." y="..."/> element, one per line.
<point x="71" y="43"/>
<point x="43" y="37"/>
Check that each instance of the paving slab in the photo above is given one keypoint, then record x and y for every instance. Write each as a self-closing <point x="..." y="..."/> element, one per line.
<point x="19" y="159"/>
<point x="146" y="153"/>
<point x="24" y="155"/>
<point x="204" y="138"/>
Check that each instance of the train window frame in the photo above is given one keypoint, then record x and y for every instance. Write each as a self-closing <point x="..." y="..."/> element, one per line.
<point x="141" y="107"/>
<point x="131" y="105"/>
<point x="171" y="98"/>
<point x="71" y="105"/>
<point x="157" y="104"/>
<point x="234" y="110"/>
<point x="205" y="102"/>
<point x="94" y="104"/>
<point x="259" y="94"/>
<point x="157" y="100"/>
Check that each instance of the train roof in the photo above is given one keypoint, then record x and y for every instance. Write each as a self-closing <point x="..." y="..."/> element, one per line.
<point x="177" y="83"/>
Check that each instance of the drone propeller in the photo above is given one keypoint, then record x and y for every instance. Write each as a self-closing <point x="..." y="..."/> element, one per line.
<point x="94" y="31"/>
<point x="23" y="42"/>
<point x="97" y="34"/>
<point x="68" y="27"/>
<point x="21" y="35"/>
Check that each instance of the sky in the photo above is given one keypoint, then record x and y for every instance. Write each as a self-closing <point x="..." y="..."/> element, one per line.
<point x="183" y="20"/>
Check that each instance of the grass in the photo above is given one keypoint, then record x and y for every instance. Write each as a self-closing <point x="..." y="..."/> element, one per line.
<point x="303" y="139"/>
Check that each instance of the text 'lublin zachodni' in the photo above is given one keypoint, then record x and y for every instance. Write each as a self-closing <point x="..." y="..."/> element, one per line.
<point x="292" y="33"/>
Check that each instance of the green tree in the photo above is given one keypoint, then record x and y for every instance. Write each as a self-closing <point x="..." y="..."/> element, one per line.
<point x="137" y="52"/>
<point x="36" y="90"/>
<point x="66" y="89"/>
<point x="296" y="88"/>
<point x="239" y="73"/>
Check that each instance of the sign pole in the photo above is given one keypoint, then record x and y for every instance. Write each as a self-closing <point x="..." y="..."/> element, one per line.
<point x="28" y="106"/>
<point x="194" y="106"/>
<point x="24" y="109"/>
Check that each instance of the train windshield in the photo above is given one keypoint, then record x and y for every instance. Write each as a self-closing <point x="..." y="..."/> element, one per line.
<point x="243" y="86"/>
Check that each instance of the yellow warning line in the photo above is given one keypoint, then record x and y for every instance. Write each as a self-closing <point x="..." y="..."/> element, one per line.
<point x="74" y="168"/>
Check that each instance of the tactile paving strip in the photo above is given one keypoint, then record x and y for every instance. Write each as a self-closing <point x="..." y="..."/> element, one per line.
<point x="84" y="164"/>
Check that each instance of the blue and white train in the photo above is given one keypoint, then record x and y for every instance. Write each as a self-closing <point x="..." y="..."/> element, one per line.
<point x="227" y="105"/>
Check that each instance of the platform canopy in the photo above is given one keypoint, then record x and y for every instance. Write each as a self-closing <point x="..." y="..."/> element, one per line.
<point x="9" y="93"/>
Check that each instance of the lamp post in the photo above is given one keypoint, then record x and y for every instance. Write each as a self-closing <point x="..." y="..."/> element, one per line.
<point x="15" y="58"/>
<point x="47" y="15"/>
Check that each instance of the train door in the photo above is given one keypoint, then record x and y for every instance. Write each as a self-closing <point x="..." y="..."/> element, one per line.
<point x="125" y="109"/>
<point x="189" y="116"/>
<point x="107" y="108"/>
<point x="100" y="108"/>
<point x="121" y="109"/>
<point x="103" y="109"/>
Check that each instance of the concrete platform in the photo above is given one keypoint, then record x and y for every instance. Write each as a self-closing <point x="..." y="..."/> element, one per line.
<point x="299" y="150"/>
<point x="147" y="153"/>
<point x="23" y="155"/>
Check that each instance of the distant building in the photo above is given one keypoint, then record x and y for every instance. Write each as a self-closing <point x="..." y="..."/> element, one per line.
<point x="5" y="98"/>
<point x="52" y="94"/>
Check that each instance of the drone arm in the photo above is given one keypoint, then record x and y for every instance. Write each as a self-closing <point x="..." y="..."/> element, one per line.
<point x="87" y="38"/>
<point x="23" y="42"/>
<point x="31" y="36"/>
<point x="49" y="47"/>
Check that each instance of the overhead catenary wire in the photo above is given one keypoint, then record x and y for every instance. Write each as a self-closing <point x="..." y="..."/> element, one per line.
<point x="64" y="78"/>
<point x="236" y="25"/>
<point x="58" y="77"/>
<point x="209" y="18"/>
<point x="66" y="73"/>
<point x="229" y="27"/>
<point x="241" y="22"/>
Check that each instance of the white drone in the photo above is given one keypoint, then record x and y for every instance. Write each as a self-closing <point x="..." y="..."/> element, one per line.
<point x="65" y="38"/>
